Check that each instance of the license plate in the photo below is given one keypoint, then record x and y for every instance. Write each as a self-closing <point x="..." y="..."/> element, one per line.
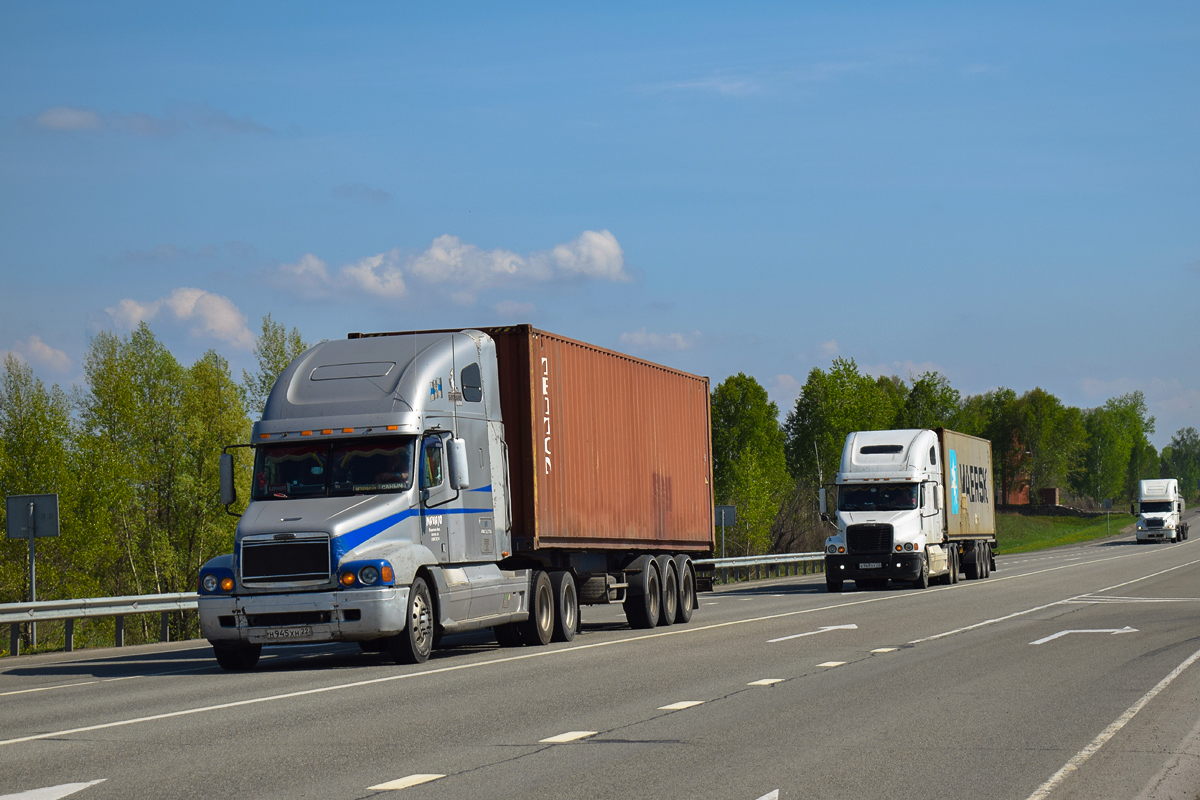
<point x="871" y="565"/>
<point x="304" y="632"/>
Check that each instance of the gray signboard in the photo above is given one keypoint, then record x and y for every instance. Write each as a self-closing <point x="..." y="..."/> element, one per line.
<point x="725" y="515"/>
<point x="36" y="511"/>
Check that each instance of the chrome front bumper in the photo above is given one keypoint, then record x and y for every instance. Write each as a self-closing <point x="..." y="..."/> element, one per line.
<point x="304" y="617"/>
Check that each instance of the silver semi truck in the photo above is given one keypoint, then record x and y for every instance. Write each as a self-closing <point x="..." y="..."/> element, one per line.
<point x="913" y="506"/>
<point x="410" y="485"/>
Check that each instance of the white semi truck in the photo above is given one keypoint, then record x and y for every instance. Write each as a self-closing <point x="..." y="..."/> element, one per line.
<point x="1159" y="511"/>
<point x="913" y="506"/>
<point x="410" y="485"/>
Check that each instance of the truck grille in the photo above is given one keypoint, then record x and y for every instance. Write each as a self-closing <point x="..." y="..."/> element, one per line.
<point x="1153" y="522"/>
<point x="869" y="538"/>
<point x="285" y="561"/>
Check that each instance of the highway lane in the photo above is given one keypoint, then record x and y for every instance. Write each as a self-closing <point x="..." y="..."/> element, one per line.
<point x="960" y="704"/>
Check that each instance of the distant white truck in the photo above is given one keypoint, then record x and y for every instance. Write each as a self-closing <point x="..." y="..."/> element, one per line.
<point x="1159" y="511"/>
<point x="913" y="506"/>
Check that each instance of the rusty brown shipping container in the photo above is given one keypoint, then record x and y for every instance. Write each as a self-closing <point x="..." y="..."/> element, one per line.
<point x="606" y="451"/>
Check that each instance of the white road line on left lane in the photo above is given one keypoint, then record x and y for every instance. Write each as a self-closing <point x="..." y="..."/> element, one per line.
<point x="51" y="792"/>
<point x="569" y="736"/>
<point x="401" y="783"/>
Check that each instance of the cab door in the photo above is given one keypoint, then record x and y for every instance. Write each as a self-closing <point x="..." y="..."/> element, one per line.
<point x="442" y="521"/>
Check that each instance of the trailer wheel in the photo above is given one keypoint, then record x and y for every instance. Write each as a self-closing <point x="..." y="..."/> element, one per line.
<point x="539" y="628"/>
<point x="687" y="589"/>
<point x="414" y="644"/>
<point x="644" y="594"/>
<point x="973" y="569"/>
<point x="985" y="567"/>
<point x="953" y="565"/>
<point x="670" y="590"/>
<point x="239" y="658"/>
<point x="566" y="606"/>
<point x="508" y="634"/>
<point x="832" y="585"/>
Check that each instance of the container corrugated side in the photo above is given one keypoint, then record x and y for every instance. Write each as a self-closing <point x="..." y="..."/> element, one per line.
<point x="606" y="451"/>
<point x="970" y="500"/>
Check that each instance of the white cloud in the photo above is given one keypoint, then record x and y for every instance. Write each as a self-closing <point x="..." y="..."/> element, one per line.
<point x="211" y="315"/>
<point x="36" y="352"/>
<point x="458" y="268"/>
<point x="194" y="117"/>
<point x="66" y="118"/>
<point x="903" y="369"/>
<point x="830" y="348"/>
<point x="514" y="309"/>
<point x="377" y="275"/>
<point x="649" y="340"/>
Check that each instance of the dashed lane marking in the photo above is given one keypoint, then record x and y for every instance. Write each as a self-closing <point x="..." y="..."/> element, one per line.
<point x="771" y="795"/>
<point x="822" y="629"/>
<point x="765" y="682"/>
<point x="831" y="663"/>
<point x="569" y="736"/>
<point x="404" y="783"/>
<point x="885" y="649"/>
<point x="682" y="704"/>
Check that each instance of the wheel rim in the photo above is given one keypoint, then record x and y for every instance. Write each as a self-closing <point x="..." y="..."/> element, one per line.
<point x="670" y="598"/>
<point x="421" y="622"/>
<point x="570" y="609"/>
<point x="545" y="608"/>
<point x="653" y="596"/>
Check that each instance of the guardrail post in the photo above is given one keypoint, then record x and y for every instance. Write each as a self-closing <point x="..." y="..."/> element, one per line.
<point x="164" y="631"/>
<point x="69" y="634"/>
<point x="120" y="630"/>
<point x="14" y="645"/>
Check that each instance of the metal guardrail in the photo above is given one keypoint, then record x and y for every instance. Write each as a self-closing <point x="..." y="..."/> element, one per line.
<point x="774" y="560"/>
<point x="89" y="607"/>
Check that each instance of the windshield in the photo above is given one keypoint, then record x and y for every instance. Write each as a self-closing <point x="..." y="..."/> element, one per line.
<point x="886" y="497"/>
<point x="1158" y="507"/>
<point x="335" y="468"/>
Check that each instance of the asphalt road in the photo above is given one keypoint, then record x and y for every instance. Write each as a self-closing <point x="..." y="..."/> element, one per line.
<point x="965" y="691"/>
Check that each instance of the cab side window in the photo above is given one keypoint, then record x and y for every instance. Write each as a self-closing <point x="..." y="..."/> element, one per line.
<point x="472" y="383"/>
<point x="431" y="463"/>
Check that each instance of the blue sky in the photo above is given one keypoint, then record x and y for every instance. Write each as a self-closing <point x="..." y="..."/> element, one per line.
<point x="1007" y="193"/>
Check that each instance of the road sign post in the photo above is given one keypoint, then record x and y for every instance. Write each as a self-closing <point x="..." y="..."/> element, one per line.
<point x="31" y="516"/>
<point x="726" y="515"/>
<point x="1106" y="504"/>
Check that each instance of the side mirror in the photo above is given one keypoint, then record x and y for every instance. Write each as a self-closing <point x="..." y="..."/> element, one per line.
<point x="228" y="489"/>
<point x="823" y="503"/>
<point x="460" y="477"/>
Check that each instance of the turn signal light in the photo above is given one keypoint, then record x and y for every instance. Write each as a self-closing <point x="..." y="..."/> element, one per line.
<point x="226" y="584"/>
<point x="841" y="549"/>
<point x="346" y="579"/>
<point x="386" y="573"/>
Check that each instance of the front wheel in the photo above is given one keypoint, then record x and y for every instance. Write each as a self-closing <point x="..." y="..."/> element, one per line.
<point x="239" y="658"/>
<point x="414" y="644"/>
<point x="832" y="585"/>
<point x="922" y="581"/>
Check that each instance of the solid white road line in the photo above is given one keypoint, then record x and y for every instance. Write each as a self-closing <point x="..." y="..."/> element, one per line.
<point x="682" y="704"/>
<point x="404" y="783"/>
<point x="1083" y="755"/>
<point x="569" y="736"/>
<point x="51" y="792"/>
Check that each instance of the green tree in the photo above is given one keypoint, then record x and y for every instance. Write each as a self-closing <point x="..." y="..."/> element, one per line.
<point x="831" y="405"/>
<point x="1053" y="436"/>
<point x="1181" y="460"/>
<point x="274" y="349"/>
<point x="931" y="403"/>
<point x="749" y="469"/>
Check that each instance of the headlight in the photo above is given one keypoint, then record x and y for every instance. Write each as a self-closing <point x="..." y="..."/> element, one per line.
<point x="368" y="575"/>
<point x="831" y="549"/>
<point x="908" y="546"/>
<point x="209" y="582"/>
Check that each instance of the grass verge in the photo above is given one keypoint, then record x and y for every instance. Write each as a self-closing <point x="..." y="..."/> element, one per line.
<point x="1017" y="533"/>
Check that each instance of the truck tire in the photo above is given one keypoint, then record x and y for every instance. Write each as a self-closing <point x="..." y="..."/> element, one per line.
<point x="985" y="567"/>
<point x="238" y="658"/>
<point x="670" y="590"/>
<point x="508" y="634"/>
<point x="566" y="606"/>
<point x="973" y="569"/>
<point x="414" y="644"/>
<point x="539" y="628"/>
<point x="832" y="585"/>
<point x="922" y="581"/>
<point x="687" y="589"/>
<point x="953" y="566"/>
<point x="644" y="594"/>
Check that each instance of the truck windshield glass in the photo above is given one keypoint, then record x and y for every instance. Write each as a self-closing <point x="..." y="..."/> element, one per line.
<point x="886" y="497"/>
<point x="336" y="468"/>
<point x="1157" y="507"/>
